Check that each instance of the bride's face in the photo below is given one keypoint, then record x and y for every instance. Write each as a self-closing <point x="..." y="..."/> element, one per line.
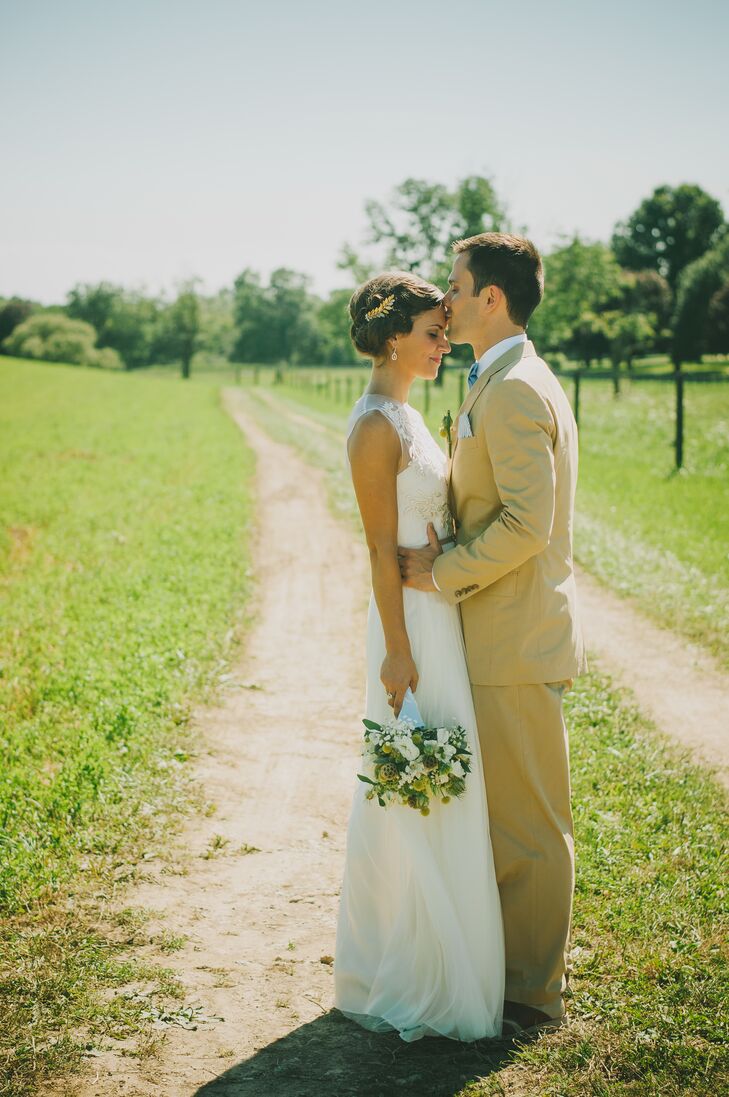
<point x="419" y="353"/>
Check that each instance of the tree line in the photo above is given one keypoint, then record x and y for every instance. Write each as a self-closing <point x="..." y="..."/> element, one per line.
<point x="660" y="286"/>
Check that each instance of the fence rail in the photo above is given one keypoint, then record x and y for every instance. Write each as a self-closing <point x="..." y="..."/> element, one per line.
<point x="678" y="378"/>
<point x="341" y="389"/>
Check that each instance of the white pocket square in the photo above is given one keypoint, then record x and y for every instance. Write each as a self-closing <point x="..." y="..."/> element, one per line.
<point x="464" y="427"/>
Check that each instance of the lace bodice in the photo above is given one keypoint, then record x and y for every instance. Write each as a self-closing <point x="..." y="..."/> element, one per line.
<point x="422" y="490"/>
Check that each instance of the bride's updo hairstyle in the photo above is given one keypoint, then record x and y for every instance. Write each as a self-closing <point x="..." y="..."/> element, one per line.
<point x="387" y="305"/>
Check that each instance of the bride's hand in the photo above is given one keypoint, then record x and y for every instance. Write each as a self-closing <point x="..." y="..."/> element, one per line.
<point x="398" y="671"/>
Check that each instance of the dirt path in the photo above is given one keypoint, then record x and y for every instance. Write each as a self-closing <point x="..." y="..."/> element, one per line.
<point x="279" y="764"/>
<point x="675" y="683"/>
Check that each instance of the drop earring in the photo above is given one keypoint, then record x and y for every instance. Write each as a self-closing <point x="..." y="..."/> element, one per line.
<point x="393" y="356"/>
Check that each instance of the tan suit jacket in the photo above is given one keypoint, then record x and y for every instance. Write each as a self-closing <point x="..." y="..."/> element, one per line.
<point x="512" y="489"/>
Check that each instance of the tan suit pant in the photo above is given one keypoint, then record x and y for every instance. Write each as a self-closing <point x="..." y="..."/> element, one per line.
<point x="526" y="765"/>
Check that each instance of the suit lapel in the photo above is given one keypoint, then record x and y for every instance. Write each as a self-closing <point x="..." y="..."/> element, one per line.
<point x="508" y="358"/>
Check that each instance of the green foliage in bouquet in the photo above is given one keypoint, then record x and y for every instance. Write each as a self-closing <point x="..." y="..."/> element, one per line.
<point x="413" y="765"/>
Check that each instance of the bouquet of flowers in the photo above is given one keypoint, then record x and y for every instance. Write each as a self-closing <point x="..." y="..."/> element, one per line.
<point x="412" y="764"/>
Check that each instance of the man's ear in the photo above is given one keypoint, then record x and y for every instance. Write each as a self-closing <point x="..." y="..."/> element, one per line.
<point x="489" y="299"/>
<point x="493" y="297"/>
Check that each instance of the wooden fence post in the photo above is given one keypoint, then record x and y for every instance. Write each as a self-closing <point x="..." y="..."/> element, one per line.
<point x="426" y="397"/>
<point x="577" y="397"/>
<point x="679" y="419"/>
<point x="348" y="388"/>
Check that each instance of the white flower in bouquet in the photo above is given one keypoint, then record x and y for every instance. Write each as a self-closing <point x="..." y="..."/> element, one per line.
<point x="413" y="765"/>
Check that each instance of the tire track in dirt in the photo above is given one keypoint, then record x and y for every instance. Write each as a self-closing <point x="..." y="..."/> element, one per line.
<point x="675" y="683"/>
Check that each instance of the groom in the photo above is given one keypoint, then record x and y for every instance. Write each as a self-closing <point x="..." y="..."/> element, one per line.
<point x="512" y="484"/>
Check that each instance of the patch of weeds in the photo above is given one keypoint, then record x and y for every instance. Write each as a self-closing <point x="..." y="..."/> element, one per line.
<point x="217" y="844"/>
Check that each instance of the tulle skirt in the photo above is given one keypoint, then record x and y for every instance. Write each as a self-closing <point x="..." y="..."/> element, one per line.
<point x="420" y="946"/>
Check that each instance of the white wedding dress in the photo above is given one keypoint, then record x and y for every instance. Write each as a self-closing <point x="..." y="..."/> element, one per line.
<point x="419" y="936"/>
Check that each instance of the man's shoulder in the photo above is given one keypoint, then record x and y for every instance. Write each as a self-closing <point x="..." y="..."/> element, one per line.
<point x="530" y="377"/>
<point x="530" y="373"/>
<point x="531" y="370"/>
<point x="527" y="388"/>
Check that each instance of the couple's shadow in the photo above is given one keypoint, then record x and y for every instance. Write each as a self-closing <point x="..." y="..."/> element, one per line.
<point x="332" y="1057"/>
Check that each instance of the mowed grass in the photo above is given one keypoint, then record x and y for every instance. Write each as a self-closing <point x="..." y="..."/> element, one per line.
<point x="650" y="532"/>
<point x="649" y="982"/>
<point x="124" y="518"/>
<point x="655" y="535"/>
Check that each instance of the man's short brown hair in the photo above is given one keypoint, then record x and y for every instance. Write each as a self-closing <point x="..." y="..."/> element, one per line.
<point x="510" y="262"/>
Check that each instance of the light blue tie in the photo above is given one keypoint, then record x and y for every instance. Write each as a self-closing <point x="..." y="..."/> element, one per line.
<point x="473" y="375"/>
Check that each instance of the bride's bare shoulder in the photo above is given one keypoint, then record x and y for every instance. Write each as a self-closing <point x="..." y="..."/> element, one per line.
<point x="374" y="439"/>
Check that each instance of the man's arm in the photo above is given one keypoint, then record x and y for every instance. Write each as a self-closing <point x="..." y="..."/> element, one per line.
<point x="520" y="431"/>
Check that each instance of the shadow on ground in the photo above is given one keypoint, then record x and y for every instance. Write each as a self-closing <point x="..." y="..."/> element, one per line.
<point x="331" y="1057"/>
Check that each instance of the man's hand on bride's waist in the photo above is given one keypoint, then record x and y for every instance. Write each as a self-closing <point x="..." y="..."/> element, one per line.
<point x="416" y="564"/>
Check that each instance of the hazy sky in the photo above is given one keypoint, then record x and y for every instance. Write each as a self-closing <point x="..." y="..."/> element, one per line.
<point x="147" y="141"/>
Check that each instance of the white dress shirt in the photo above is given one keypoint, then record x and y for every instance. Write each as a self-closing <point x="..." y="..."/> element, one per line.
<point x="498" y="349"/>
<point x="490" y="356"/>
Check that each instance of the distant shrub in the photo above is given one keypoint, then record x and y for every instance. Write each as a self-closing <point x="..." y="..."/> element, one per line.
<point x="12" y="313"/>
<point x="54" y="337"/>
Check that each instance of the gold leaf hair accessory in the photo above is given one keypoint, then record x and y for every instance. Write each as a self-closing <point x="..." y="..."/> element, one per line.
<point x="382" y="309"/>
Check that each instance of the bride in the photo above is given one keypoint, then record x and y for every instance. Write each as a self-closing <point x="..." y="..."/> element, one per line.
<point x="419" y="936"/>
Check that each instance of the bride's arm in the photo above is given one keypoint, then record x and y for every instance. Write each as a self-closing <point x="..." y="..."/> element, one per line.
<point x="374" y="456"/>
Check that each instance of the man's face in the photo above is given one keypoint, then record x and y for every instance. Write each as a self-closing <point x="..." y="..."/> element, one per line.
<point x="462" y="308"/>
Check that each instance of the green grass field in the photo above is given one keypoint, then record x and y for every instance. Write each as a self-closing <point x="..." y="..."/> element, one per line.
<point x="654" y="535"/>
<point x="124" y="518"/>
<point x="124" y="510"/>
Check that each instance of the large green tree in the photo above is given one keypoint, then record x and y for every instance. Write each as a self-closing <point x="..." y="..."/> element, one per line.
<point x="648" y="292"/>
<point x="251" y="319"/>
<point x="178" y="334"/>
<point x="581" y="279"/>
<point x="276" y="322"/>
<point x="217" y="328"/>
<point x="717" y="338"/>
<point x="125" y="320"/>
<point x="414" y="229"/>
<point x="333" y="322"/>
<point x="627" y="334"/>
<point x="669" y="230"/>
<point x="697" y="289"/>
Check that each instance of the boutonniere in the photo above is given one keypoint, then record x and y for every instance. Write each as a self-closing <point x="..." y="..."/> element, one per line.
<point x="445" y="429"/>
